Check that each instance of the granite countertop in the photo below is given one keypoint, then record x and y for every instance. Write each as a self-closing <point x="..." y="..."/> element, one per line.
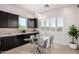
<point x="14" y="34"/>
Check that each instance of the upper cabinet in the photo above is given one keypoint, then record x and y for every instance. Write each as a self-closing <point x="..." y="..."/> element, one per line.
<point x="32" y="23"/>
<point x="8" y="20"/>
<point x="3" y="19"/>
<point x="12" y="21"/>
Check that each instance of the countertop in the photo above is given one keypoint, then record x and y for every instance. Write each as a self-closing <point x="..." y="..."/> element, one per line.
<point x="14" y="34"/>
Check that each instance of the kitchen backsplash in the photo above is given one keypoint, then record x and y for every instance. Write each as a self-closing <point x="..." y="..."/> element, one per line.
<point x="12" y="30"/>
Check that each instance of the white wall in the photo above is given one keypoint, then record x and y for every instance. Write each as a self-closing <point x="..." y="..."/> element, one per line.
<point x="16" y="10"/>
<point x="70" y="14"/>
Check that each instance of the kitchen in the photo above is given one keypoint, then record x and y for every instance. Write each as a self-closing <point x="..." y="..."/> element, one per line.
<point x="13" y="30"/>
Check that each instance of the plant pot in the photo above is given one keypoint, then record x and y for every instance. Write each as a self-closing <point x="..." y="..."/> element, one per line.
<point x="73" y="45"/>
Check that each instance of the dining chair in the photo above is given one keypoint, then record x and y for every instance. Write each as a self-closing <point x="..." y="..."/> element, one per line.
<point x="43" y="45"/>
<point x="51" y="41"/>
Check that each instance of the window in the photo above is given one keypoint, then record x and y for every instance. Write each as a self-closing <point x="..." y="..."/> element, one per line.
<point x="22" y="23"/>
<point x="59" y="23"/>
<point x="42" y="24"/>
<point x="46" y="24"/>
<point x="52" y="24"/>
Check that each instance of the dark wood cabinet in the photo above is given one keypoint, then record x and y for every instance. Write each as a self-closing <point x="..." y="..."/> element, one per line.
<point x="10" y="42"/>
<point x="35" y="23"/>
<point x="12" y="21"/>
<point x="8" y="20"/>
<point x="32" y="23"/>
<point x="3" y="19"/>
<point x="0" y="22"/>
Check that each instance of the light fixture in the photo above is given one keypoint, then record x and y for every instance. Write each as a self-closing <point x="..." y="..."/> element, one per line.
<point x="46" y="6"/>
<point x="78" y="5"/>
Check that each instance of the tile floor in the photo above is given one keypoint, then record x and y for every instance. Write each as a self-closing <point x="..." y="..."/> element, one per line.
<point x="31" y="49"/>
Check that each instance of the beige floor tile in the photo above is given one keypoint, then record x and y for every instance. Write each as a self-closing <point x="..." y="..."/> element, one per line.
<point x="31" y="49"/>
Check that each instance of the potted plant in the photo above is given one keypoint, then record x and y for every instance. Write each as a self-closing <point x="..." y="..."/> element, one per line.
<point x="73" y="33"/>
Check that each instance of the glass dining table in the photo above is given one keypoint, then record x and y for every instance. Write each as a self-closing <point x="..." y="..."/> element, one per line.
<point x="42" y="43"/>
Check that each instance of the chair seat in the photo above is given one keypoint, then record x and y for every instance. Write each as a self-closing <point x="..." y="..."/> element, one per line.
<point x="44" y="42"/>
<point x="26" y="39"/>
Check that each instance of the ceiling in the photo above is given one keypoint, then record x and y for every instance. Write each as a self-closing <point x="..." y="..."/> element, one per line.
<point x="39" y="8"/>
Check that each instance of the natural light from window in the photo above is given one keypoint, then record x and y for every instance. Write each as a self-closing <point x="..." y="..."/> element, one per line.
<point x="52" y="24"/>
<point x="22" y="23"/>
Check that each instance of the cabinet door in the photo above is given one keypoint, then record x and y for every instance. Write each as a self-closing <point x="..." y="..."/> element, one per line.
<point x="30" y="23"/>
<point x="12" y="21"/>
<point x="4" y="44"/>
<point x="9" y="43"/>
<point x="35" y="23"/>
<point x="4" y="20"/>
<point x="8" y="20"/>
<point x="0" y="21"/>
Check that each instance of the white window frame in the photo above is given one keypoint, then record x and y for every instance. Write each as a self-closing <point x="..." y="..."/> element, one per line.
<point x="50" y="28"/>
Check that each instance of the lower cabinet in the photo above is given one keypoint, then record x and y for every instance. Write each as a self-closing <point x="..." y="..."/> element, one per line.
<point x="10" y="42"/>
<point x="4" y="44"/>
<point x="7" y="43"/>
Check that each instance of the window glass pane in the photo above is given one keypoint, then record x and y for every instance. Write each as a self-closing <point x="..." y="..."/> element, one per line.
<point x="42" y="23"/>
<point x="59" y="23"/>
<point x="22" y="23"/>
<point x="52" y="24"/>
<point x="46" y="22"/>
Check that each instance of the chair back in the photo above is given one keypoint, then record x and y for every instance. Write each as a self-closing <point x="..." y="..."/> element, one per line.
<point x="46" y="43"/>
<point x="51" y="40"/>
<point x="32" y="38"/>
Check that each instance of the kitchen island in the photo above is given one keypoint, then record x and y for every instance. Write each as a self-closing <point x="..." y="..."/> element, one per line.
<point x="12" y="40"/>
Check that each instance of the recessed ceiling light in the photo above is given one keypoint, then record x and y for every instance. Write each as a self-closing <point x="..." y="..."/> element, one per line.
<point x="78" y="5"/>
<point x="46" y="6"/>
